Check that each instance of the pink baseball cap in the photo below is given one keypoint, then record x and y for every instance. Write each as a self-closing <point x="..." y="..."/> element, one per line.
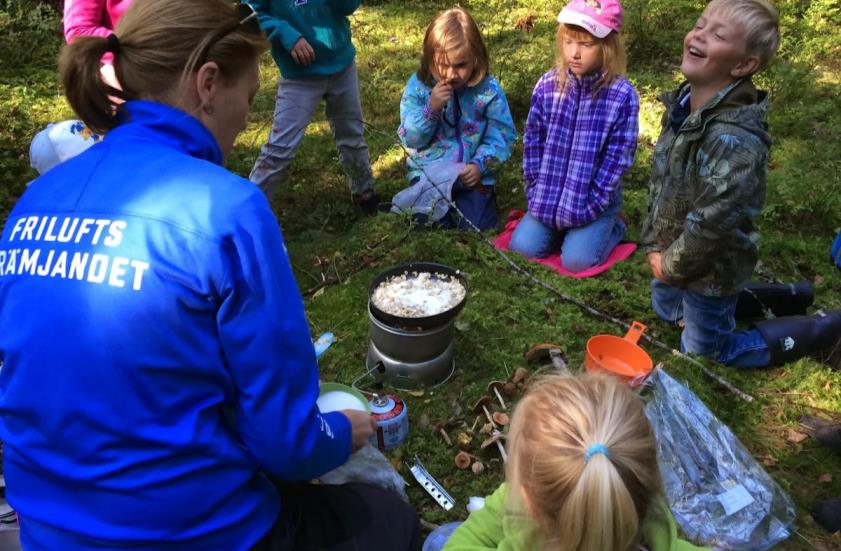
<point x="598" y="17"/>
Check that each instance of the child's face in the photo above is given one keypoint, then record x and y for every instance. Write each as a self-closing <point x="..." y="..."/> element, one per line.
<point x="454" y="66"/>
<point x="582" y="53"/>
<point x="715" y="51"/>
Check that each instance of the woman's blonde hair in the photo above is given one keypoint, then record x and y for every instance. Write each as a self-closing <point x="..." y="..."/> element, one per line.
<point x="451" y="30"/>
<point x="612" y="48"/>
<point x="581" y="502"/>
<point x="160" y="43"/>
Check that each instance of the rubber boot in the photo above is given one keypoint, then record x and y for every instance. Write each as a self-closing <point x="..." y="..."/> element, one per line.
<point x="828" y="514"/>
<point x="784" y="299"/>
<point x="793" y="337"/>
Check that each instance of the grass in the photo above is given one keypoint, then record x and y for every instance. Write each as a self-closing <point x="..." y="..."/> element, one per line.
<point x="328" y="239"/>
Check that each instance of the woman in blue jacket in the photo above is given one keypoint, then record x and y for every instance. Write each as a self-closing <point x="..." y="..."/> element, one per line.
<point x="157" y="363"/>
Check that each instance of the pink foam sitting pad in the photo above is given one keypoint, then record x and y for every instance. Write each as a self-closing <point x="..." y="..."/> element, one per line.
<point x="621" y="252"/>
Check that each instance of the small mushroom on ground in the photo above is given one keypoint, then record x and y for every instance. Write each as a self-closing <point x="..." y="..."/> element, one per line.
<point x="481" y="406"/>
<point x="495" y="389"/>
<point x="463" y="439"/>
<point x="487" y="428"/>
<point x="520" y="376"/>
<point x="476" y="422"/>
<point x="445" y="436"/>
<point x="509" y="388"/>
<point x="495" y="438"/>
<point x="462" y="460"/>
<point x="477" y="467"/>
<point x="500" y="418"/>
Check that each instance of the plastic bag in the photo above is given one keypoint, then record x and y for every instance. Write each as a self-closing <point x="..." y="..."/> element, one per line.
<point x="718" y="493"/>
<point x="368" y="465"/>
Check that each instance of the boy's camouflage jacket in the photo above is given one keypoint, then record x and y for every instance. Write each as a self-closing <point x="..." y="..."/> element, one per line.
<point x="707" y="186"/>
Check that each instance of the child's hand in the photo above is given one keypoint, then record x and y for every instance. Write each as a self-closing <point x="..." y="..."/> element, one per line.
<point x="470" y="176"/>
<point x="302" y="52"/>
<point x="440" y="95"/>
<point x="655" y="260"/>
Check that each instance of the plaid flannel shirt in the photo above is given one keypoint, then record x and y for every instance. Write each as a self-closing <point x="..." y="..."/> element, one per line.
<point x="576" y="148"/>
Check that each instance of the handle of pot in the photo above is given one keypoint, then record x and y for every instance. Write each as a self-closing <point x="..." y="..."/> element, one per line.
<point x="635" y="332"/>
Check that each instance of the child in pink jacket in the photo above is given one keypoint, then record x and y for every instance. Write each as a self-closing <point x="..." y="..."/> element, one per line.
<point x="92" y="17"/>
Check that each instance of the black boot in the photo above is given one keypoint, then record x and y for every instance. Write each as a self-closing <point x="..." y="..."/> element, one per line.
<point x="828" y="514"/>
<point x="784" y="299"/>
<point x="793" y="337"/>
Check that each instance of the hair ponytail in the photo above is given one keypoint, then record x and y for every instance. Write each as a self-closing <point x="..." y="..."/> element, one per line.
<point x="581" y="501"/>
<point x="79" y="66"/>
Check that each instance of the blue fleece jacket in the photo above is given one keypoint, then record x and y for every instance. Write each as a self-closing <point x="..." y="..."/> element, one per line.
<point x="156" y="355"/>
<point x="323" y="23"/>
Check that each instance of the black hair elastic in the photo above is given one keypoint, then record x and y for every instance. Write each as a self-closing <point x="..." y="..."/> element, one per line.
<point x="113" y="44"/>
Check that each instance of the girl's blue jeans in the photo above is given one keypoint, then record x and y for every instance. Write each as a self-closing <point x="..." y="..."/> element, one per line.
<point x="581" y="248"/>
<point x="709" y="326"/>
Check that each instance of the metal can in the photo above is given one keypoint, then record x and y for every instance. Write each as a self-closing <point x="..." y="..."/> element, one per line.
<point x="392" y="419"/>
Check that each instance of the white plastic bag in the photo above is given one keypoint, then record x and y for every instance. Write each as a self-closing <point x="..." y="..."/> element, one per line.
<point x="370" y="466"/>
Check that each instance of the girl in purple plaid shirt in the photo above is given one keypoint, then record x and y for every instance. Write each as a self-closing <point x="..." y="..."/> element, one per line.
<point x="580" y="137"/>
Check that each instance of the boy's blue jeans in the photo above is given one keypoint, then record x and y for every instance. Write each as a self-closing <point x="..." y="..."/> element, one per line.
<point x="709" y="326"/>
<point x="581" y="248"/>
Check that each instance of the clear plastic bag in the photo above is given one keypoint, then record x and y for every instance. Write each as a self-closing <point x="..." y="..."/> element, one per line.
<point x="718" y="493"/>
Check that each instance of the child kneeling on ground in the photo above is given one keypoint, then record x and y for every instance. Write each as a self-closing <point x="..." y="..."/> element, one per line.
<point x="453" y="112"/>
<point x="708" y="185"/>
<point x="580" y="137"/>
<point x="582" y="475"/>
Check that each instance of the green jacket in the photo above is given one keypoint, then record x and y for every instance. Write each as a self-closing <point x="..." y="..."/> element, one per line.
<point x="707" y="186"/>
<point x="494" y="527"/>
<point x="323" y="23"/>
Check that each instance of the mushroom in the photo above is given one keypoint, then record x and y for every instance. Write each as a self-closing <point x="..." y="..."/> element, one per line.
<point x="496" y="438"/>
<point x="462" y="460"/>
<point x="520" y="376"/>
<point x="500" y="418"/>
<point x="509" y="388"/>
<point x="464" y="440"/>
<point x="482" y="407"/>
<point x="548" y="352"/>
<point x="445" y="436"/>
<point x="477" y="467"/>
<point x="494" y="387"/>
<point x="487" y="428"/>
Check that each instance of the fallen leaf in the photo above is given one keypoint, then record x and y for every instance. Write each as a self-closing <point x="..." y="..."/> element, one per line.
<point x="462" y="325"/>
<point x="795" y="437"/>
<point x="817" y="280"/>
<point x="825" y="477"/>
<point x="319" y="292"/>
<point x="416" y="393"/>
<point x="827" y="386"/>
<point x="768" y="461"/>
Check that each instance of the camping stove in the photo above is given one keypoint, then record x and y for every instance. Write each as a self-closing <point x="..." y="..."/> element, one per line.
<point x="408" y="358"/>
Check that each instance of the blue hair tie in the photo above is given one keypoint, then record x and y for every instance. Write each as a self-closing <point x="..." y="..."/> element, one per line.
<point x="593" y="450"/>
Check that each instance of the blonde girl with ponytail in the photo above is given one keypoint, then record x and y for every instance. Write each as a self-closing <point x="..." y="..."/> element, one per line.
<point x="582" y="475"/>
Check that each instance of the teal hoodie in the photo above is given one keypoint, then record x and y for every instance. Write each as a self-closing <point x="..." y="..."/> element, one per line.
<point x="323" y="23"/>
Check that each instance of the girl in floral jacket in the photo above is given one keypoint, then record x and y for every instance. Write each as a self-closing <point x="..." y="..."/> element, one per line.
<point x="453" y="111"/>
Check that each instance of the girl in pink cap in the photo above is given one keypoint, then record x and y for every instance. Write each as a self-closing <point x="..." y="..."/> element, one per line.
<point x="580" y="137"/>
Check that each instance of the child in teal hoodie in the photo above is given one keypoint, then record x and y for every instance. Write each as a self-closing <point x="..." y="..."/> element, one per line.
<point x="312" y="47"/>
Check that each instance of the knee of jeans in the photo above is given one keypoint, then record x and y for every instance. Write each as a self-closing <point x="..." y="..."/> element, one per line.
<point x="693" y="341"/>
<point x="526" y="245"/>
<point x="577" y="261"/>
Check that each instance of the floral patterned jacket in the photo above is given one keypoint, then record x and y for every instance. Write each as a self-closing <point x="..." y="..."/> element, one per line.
<point x="474" y="127"/>
<point x="707" y="186"/>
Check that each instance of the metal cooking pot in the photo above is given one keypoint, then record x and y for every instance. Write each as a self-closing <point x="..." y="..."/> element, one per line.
<point x="426" y="322"/>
